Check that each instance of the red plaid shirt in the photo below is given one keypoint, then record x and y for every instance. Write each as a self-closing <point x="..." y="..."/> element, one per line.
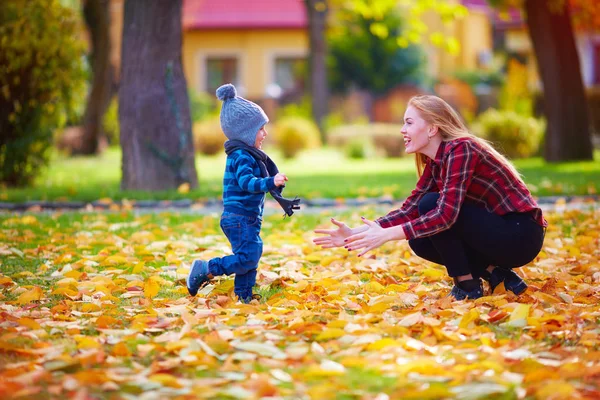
<point x="462" y="171"/>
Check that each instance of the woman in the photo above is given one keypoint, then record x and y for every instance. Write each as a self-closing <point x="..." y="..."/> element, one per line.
<point x="470" y="210"/>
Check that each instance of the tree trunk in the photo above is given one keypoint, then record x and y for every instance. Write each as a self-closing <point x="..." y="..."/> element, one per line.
<point x="565" y="105"/>
<point x="154" y="111"/>
<point x="317" y="19"/>
<point x="97" y="19"/>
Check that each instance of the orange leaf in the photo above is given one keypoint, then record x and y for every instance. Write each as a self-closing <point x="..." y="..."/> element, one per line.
<point x="121" y="350"/>
<point x="27" y="297"/>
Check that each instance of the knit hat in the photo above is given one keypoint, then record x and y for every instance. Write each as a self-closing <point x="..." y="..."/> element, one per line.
<point x="241" y="119"/>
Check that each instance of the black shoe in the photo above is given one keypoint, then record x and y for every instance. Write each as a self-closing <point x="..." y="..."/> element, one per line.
<point x="512" y="281"/>
<point x="460" y="294"/>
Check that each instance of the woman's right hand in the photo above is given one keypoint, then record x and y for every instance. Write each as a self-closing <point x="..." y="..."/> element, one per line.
<point x="335" y="237"/>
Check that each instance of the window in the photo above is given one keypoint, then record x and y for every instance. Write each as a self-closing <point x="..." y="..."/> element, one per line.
<point x="221" y="70"/>
<point x="289" y="75"/>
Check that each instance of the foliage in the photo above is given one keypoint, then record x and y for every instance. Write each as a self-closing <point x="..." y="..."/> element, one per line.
<point x="515" y="135"/>
<point x="294" y="134"/>
<point x="359" y="147"/>
<point x="515" y="94"/>
<point x="386" y="138"/>
<point x="202" y="105"/>
<point x="476" y="77"/>
<point x="302" y="109"/>
<point x="364" y="52"/>
<point x="208" y="136"/>
<point x="110" y="123"/>
<point x="97" y="301"/>
<point x="41" y="81"/>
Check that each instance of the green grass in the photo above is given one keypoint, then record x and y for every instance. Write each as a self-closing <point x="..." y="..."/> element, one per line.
<point x="316" y="174"/>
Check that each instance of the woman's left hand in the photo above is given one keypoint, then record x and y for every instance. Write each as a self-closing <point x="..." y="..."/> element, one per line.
<point x="368" y="240"/>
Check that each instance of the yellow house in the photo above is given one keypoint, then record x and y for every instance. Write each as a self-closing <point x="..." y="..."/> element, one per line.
<point x="262" y="46"/>
<point x="473" y="33"/>
<point x="259" y="46"/>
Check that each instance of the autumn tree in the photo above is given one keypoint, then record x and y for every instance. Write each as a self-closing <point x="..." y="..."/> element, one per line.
<point x="565" y="106"/>
<point x="552" y="35"/>
<point x="154" y="109"/>
<point x="96" y="14"/>
<point x="317" y="21"/>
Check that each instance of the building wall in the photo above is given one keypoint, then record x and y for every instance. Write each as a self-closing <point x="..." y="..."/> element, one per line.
<point x="474" y="34"/>
<point x="255" y="50"/>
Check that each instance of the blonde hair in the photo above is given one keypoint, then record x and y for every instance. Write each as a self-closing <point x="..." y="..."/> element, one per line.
<point x="437" y="112"/>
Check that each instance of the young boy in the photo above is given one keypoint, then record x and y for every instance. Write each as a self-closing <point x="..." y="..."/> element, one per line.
<point x="249" y="174"/>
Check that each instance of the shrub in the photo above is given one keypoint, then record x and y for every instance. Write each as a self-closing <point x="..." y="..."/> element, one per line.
<point x="208" y="136"/>
<point x="41" y="82"/>
<point x="202" y="105"/>
<point x="359" y="148"/>
<point x="293" y="134"/>
<point x="516" y="135"/>
<point x="386" y="138"/>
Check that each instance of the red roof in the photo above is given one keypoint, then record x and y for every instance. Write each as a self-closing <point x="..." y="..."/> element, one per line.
<point x="236" y="14"/>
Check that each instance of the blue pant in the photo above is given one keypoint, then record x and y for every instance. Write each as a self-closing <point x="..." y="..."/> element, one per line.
<point x="243" y="234"/>
<point x="478" y="239"/>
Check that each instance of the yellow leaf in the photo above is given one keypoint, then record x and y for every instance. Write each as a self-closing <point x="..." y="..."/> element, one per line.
<point x="151" y="287"/>
<point x="166" y="380"/>
<point x="6" y="281"/>
<point x="518" y="318"/>
<point x="383" y="343"/>
<point x="29" y="323"/>
<point x="65" y="291"/>
<point x="27" y="297"/>
<point x="467" y="320"/>
<point x="374" y="286"/>
<point x="330" y="333"/>
<point x="90" y="307"/>
<point x="28" y="220"/>
<point x="105" y="322"/>
<point x="556" y="390"/>
<point x="325" y="261"/>
<point x="87" y="343"/>
<point x="114" y="260"/>
<point x="184" y="188"/>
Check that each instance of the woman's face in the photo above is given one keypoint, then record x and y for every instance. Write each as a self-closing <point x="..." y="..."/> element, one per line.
<point x="260" y="137"/>
<point x="415" y="131"/>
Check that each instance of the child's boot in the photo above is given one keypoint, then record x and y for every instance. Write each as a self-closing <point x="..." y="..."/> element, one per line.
<point x="198" y="275"/>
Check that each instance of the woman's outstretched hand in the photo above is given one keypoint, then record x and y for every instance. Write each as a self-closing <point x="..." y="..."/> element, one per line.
<point x="369" y="239"/>
<point x="335" y="237"/>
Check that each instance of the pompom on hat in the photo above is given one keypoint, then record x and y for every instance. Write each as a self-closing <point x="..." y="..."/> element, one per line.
<point x="241" y="119"/>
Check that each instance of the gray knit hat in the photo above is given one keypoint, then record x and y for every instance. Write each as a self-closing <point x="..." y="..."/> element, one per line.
<point x="241" y="119"/>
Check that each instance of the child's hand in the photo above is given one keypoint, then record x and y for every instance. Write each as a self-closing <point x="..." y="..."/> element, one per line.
<point x="280" y="179"/>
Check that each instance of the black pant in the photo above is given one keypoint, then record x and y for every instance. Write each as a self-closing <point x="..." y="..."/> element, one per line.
<point x="478" y="239"/>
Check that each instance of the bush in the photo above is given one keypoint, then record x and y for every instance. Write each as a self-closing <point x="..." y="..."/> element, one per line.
<point x="110" y="123"/>
<point x="42" y="80"/>
<point x="202" y="105"/>
<point x="386" y="138"/>
<point x="293" y="134"/>
<point x="208" y="136"/>
<point x="359" y="148"/>
<point x="516" y="135"/>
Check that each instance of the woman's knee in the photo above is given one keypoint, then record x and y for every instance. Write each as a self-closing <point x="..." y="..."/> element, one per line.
<point x="428" y="203"/>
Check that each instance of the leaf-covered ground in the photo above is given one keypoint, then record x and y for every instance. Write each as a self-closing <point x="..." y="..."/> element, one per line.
<point x="94" y="305"/>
